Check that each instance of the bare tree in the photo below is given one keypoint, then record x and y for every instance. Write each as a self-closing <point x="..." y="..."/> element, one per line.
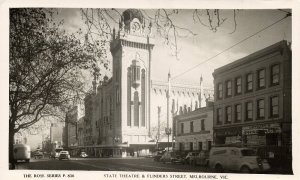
<point x="44" y="69"/>
<point x="101" y="22"/>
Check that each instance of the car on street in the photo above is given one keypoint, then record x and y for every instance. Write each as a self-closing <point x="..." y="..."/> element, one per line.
<point x="158" y="155"/>
<point x="189" y="156"/>
<point x="200" y="159"/>
<point x="55" y="153"/>
<point x="64" y="155"/>
<point x="83" y="155"/>
<point x="172" y="157"/>
<point x="21" y="152"/>
<point x="239" y="159"/>
<point x="37" y="154"/>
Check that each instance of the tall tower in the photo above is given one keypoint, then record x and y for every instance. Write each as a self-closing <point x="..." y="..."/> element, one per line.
<point x="131" y="49"/>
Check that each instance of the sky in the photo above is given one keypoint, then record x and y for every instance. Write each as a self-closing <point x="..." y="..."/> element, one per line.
<point x="206" y="44"/>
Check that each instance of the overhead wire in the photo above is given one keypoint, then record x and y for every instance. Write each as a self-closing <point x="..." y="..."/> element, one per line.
<point x="248" y="37"/>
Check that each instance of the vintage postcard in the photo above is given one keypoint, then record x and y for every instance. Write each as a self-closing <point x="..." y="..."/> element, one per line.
<point x="149" y="90"/>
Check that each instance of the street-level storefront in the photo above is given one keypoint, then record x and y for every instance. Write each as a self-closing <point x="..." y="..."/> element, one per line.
<point x="272" y="141"/>
<point x="262" y="135"/>
<point x="228" y="135"/>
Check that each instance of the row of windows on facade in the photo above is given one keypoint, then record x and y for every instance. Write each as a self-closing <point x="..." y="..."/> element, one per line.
<point x="106" y="122"/>
<point x="191" y="146"/>
<point x="260" y="111"/>
<point x="249" y="82"/>
<point x="192" y="127"/>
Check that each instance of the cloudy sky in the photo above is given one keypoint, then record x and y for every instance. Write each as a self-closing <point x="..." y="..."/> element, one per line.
<point x="206" y="44"/>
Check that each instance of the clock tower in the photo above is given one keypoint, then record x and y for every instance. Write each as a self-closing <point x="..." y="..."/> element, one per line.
<point x="131" y="49"/>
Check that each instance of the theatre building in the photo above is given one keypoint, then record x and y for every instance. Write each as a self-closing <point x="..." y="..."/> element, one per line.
<point x="253" y="100"/>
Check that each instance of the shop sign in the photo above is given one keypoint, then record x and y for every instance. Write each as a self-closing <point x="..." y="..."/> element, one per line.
<point x="228" y="132"/>
<point x="261" y="129"/>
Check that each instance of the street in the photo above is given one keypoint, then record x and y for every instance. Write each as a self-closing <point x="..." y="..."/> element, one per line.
<point x="108" y="164"/>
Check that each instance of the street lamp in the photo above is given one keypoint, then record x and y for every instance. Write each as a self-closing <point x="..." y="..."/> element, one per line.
<point x="168" y="132"/>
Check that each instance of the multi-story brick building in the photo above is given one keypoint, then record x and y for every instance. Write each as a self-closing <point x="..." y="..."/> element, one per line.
<point x="253" y="99"/>
<point x="194" y="130"/>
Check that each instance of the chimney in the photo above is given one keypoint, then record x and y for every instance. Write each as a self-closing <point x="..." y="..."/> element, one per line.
<point x="209" y="103"/>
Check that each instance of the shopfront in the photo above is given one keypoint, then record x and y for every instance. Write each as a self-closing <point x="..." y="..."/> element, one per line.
<point x="228" y="135"/>
<point x="262" y="135"/>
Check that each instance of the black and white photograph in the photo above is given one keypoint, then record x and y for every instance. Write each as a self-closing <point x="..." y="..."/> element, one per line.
<point x="165" y="91"/>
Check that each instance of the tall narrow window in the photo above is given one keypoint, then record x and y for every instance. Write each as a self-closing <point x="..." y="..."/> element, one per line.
<point x="202" y="125"/>
<point x="191" y="126"/>
<point x="228" y="114"/>
<point x="181" y="146"/>
<point x="249" y="82"/>
<point x="228" y="88"/>
<point x="136" y="104"/>
<point x="274" y="110"/>
<point x="261" y="79"/>
<point x="138" y="76"/>
<point x="238" y="85"/>
<point x="249" y="111"/>
<point x="182" y="128"/>
<point x="129" y="108"/>
<point x="220" y="91"/>
<point x="238" y="113"/>
<point x="275" y="74"/>
<point x="200" y="146"/>
<point x="219" y="116"/>
<point x="143" y="97"/>
<point x="260" y="109"/>
<point x="134" y="74"/>
<point x="191" y="146"/>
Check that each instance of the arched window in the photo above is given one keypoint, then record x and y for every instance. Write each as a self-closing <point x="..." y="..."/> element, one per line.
<point x="136" y="75"/>
<point x="136" y="104"/>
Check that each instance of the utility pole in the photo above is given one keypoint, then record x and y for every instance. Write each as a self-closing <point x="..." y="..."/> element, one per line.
<point x="200" y="94"/>
<point x="158" y="126"/>
<point x="168" y="129"/>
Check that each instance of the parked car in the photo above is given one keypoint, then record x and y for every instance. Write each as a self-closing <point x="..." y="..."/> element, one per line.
<point x="200" y="159"/>
<point x="83" y="155"/>
<point x="189" y="156"/>
<point x="21" y="152"/>
<point x="172" y="157"/>
<point x="158" y="155"/>
<point x="239" y="159"/>
<point x="55" y="153"/>
<point x="38" y="154"/>
<point x="64" y="155"/>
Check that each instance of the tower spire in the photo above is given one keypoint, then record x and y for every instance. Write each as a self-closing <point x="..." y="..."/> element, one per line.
<point x="200" y="94"/>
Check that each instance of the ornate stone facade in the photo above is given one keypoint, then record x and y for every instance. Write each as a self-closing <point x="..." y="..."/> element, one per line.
<point x="121" y="112"/>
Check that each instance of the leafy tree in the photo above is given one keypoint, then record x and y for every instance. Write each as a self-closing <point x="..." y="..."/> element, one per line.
<point x="45" y="68"/>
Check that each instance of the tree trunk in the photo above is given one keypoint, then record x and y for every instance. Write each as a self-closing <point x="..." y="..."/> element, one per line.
<point x="11" y="146"/>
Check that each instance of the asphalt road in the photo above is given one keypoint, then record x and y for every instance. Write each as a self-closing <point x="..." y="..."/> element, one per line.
<point x="115" y="164"/>
<point x="108" y="164"/>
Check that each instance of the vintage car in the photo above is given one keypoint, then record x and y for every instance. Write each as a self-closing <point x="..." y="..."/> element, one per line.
<point x="239" y="159"/>
<point x="172" y="157"/>
<point x="64" y="155"/>
<point x="201" y="159"/>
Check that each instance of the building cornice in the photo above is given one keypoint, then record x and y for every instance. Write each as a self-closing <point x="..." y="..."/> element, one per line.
<point x="277" y="47"/>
